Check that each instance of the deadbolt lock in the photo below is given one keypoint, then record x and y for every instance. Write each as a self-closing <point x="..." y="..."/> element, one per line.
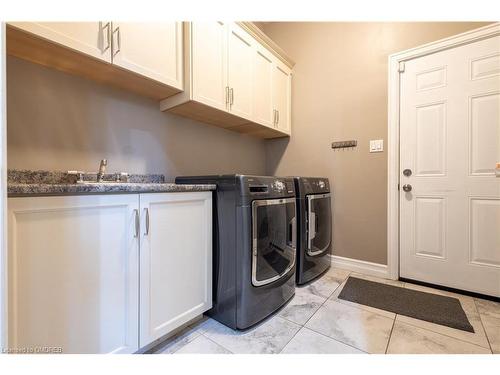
<point x="407" y="172"/>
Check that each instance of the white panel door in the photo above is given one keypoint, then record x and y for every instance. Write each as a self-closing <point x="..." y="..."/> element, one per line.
<point x="176" y="261"/>
<point x="240" y="54"/>
<point x="151" y="49"/>
<point x="73" y="273"/>
<point x="263" y="87"/>
<point x="209" y="59"/>
<point x="282" y="79"/>
<point x="91" y="38"/>
<point x="450" y="140"/>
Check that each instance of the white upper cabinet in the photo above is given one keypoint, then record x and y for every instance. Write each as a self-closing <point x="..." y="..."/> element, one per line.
<point x="151" y="49"/>
<point x="263" y="68"/>
<point x="91" y="38"/>
<point x="73" y="273"/>
<point x="176" y="261"/>
<point x="239" y="71"/>
<point x="282" y="97"/>
<point x="235" y="78"/>
<point x="208" y="50"/>
<point x="146" y="58"/>
<point x="228" y="74"/>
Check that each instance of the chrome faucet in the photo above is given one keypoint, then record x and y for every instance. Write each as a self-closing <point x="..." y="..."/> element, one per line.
<point x="102" y="170"/>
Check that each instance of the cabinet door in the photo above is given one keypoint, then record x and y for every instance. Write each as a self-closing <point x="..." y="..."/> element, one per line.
<point x="175" y="262"/>
<point x="151" y="49"/>
<point x="208" y="55"/>
<point x="282" y="97"/>
<point x="240" y="54"/>
<point x="73" y="273"/>
<point x="91" y="38"/>
<point x="263" y="87"/>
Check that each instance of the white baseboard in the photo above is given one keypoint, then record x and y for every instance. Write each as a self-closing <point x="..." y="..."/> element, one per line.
<point x="361" y="266"/>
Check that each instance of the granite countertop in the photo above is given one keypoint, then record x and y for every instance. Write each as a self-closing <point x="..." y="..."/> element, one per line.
<point x="23" y="183"/>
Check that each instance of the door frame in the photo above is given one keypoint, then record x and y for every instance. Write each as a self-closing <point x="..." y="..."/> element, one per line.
<point x="3" y="190"/>
<point x="396" y="61"/>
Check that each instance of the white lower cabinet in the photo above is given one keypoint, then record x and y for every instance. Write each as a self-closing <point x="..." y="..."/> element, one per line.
<point x="74" y="266"/>
<point x="73" y="273"/>
<point x="176" y="261"/>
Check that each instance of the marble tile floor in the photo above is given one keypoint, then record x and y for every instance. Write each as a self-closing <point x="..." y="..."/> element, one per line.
<point x="315" y="321"/>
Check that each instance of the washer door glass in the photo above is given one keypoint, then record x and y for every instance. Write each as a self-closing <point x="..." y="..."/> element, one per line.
<point x="274" y="232"/>
<point x="319" y="223"/>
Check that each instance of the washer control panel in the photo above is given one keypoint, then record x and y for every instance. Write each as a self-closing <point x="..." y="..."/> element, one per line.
<point x="278" y="185"/>
<point x="271" y="186"/>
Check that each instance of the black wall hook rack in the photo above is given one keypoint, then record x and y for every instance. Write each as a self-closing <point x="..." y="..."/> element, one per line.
<point x="344" y="144"/>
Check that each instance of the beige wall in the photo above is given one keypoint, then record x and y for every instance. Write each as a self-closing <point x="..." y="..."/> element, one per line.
<point x="58" y="121"/>
<point x="340" y="93"/>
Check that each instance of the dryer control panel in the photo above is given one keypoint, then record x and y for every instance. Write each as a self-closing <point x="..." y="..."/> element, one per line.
<point x="268" y="186"/>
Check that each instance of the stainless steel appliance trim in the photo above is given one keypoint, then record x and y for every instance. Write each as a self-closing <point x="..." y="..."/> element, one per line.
<point x="255" y="205"/>
<point x="311" y="224"/>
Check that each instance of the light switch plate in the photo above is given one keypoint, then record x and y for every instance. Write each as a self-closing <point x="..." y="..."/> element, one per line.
<point x="377" y="145"/>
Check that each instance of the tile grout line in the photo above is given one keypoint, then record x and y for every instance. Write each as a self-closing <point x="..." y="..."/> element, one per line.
<point x="304" y="325"/>
<point x="295" y="334"/>
<point x="216" y="343"/>
<point x="448" y="336"/>
<point x="334" y="339"/>
<point x="331" y="338"/>
<point x="482" y="325"/>
<point x="390" y="334"/>
<point x="208" y="338"/>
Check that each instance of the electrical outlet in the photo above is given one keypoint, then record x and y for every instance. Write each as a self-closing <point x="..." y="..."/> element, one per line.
<point x="377" y="145"/>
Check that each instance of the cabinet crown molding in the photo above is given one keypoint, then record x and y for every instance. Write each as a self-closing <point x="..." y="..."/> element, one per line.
<point x="267" y="42"/>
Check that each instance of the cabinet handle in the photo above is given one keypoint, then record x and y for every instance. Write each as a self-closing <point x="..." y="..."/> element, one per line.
<point x="277" y="117"/>
<point x="136" y="212"/>
<point x="108" y="37"/>
<point x="274" y="117"/>
<point x="232" y="96"/>
<point x="227" y="95"/>
<point x="147" y="221"/>
<point x="119" y="41"/>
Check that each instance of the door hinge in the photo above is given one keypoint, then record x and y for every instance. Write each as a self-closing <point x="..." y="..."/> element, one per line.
<point x="401" y="67"/>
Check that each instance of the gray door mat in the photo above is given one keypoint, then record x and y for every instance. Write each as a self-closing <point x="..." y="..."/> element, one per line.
<point x="434" y="308"/>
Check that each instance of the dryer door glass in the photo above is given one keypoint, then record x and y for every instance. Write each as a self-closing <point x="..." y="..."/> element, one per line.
<point x="319" y="223"/>
<point x="274" y="228"/>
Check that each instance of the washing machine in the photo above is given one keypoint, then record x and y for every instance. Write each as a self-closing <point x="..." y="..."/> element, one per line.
<point x="255" y="241"/>
<point x="314" y="228"/>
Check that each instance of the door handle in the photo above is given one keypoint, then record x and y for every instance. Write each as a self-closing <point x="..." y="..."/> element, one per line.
<point x="146" y="210"/>
<point x="311" y="229"/>
<point x="137" y="224"/>
<point x="118" y="41"/>
<point x="107" y="26"/>
<point x="292" y="233"/>
<point x="407" y="188"/>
